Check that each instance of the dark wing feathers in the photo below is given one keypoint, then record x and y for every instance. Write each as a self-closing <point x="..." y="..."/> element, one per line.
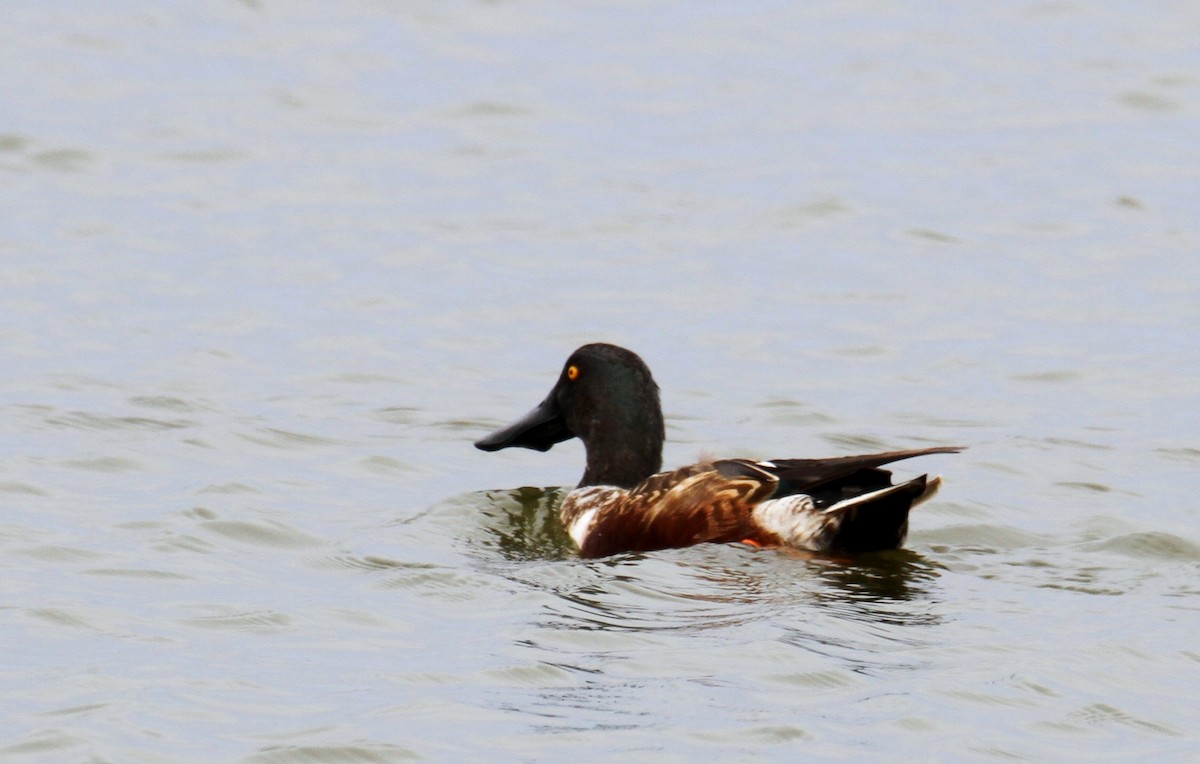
<point x="817" y="471"/>
<point x="744" y="468"/>
<point x="838" y="477"/>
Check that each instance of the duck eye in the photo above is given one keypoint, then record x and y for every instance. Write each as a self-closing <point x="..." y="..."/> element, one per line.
<point x="572" y="372"/>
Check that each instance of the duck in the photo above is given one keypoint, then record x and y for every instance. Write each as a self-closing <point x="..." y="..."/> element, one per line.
<point x="606" y="397"/>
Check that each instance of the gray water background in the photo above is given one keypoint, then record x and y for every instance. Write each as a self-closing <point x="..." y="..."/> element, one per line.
<point x="267" y="270"/>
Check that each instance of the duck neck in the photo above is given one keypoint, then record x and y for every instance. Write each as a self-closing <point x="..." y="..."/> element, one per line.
<point x="623" y="461"/>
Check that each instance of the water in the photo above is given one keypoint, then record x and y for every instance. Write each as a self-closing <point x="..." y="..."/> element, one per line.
<point x="267" y="270"/>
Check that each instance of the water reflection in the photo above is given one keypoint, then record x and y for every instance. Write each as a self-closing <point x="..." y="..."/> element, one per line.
<point x="523" y="523"/>
<point x="881" y="578"/>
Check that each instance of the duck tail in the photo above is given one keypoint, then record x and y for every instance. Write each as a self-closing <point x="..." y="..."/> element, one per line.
<point x="878" y="519"/>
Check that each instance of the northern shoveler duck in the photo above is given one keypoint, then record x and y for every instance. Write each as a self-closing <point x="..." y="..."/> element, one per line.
<point x="606" y="397"/>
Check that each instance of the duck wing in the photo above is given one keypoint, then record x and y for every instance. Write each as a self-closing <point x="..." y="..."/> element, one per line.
<point x="841" y="477"/>
<point x="691" y="505"/>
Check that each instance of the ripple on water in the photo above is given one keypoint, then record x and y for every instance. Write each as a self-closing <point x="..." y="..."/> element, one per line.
<point x="138" y="573"/>
<point x="328" y="754"/>
<point x="387" y="465"/>
<point x="273" y="437"/>
<point x="59" y="553"/>
<point x="24" y="489"/>
<point x="539" y="674"/>
<point x="1082" y="445"/>
<point x="981" y="538"/>
<point x="1085" y="486"/>
<point x="228" y="488"/>
<point x="45" y="741"/>
<point x="372" y="562"/>
<point x="854" y="443"/>
<point x="789" y="412"/>
<point x="80" y="710"/>
<point x="85" y="420"/>
<point x="109" y="464"/>
<point x="260" y="533"/>
<point x="238" y="620"/>
<point x="772" y="733"/>
<point x="398" y="414"/>
<point x="1185" y="454"/>
<point x="822" y="679"/>
<point x="444" y="583"/>
<point x="167" y="403"/>
<point x="60" y="617"/>
<point x="655" y="600"/>
<point x="1054" y="376"/>
<point x="1152" y="544"/>
<point x="1106" y="715"/>
<point x="184" y="542"/>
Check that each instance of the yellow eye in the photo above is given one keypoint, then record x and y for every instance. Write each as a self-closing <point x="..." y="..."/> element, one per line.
<point x="572" y="373"/>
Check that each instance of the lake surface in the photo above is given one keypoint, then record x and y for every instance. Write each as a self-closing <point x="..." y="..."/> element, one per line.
<point x="268" y="269"/>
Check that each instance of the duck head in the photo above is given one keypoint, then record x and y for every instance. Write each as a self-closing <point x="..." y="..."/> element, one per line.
<point x="606" y="397"/>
